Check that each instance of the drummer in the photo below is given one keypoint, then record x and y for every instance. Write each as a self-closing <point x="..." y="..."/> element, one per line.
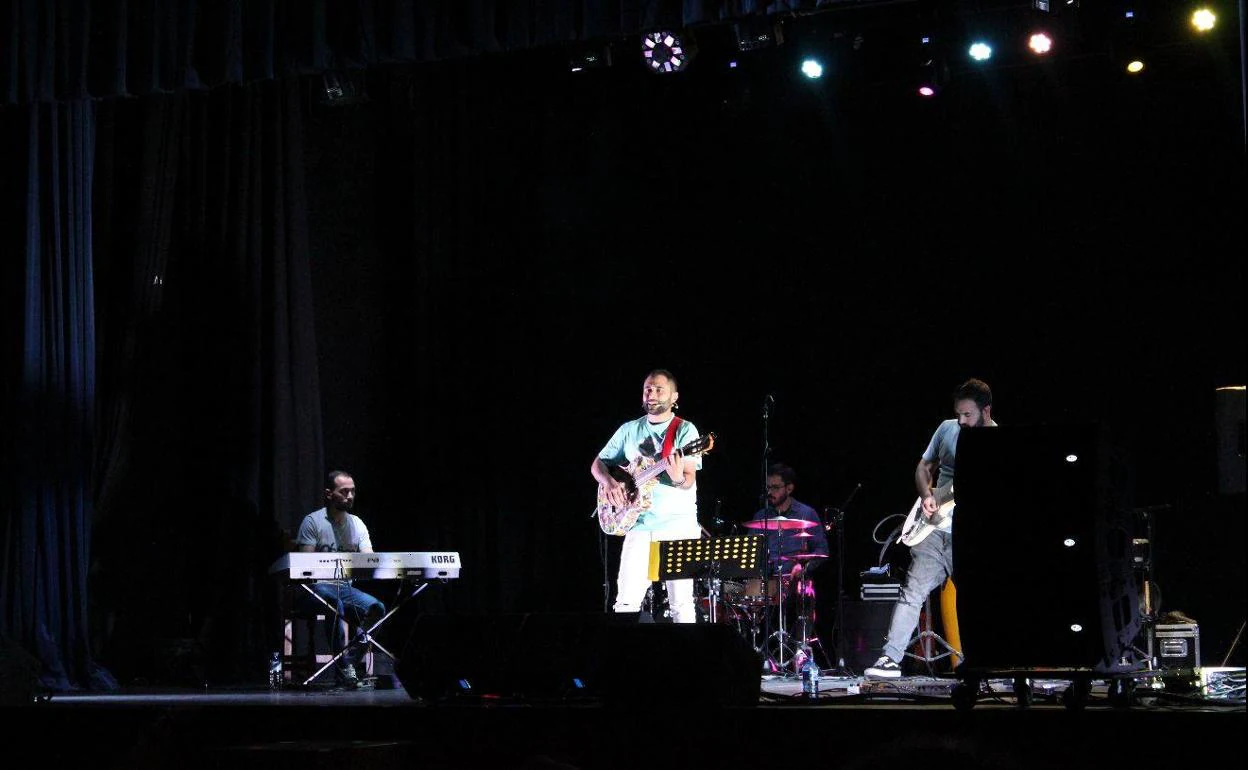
<point x="790" y="544"/>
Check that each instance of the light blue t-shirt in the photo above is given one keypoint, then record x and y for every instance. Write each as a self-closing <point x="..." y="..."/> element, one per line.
<point x="640" y="438"/>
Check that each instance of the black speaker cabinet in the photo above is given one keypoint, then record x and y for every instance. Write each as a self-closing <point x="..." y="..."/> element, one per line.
<point x="545" y="656"/>
<point x="866" y="625"/>
<point x="1041" y="550"/>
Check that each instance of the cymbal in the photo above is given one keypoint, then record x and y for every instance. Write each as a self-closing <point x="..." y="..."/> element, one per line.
<point x="778" y="522"/>
<point x="803" y="556"/>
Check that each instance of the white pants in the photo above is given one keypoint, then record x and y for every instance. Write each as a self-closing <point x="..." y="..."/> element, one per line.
<point x="634" y="575"/>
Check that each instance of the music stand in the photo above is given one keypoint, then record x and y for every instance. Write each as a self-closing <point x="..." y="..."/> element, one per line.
<point x="730" y="556"/>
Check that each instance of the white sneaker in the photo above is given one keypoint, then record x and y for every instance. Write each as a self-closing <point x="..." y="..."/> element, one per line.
<point x="884" y="668"/>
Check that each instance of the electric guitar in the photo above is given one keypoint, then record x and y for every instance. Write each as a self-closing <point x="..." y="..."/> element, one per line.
<point x="919" y="526"/>
<point x="640" y="477"/>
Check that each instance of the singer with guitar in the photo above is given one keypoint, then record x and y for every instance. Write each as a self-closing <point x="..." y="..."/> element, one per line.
<point x="664" y="506"/>
<point x="928" y="531"/>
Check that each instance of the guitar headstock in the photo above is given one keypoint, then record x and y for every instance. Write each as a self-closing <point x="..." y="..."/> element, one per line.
<point x="699" y="446"/>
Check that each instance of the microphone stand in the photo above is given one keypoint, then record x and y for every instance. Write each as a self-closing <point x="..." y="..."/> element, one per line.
<point x="836" y="518"/>
<point x="768" y="400"/>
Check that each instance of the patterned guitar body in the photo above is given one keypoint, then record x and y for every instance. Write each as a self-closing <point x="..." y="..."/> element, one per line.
<point x="640" y="478"/>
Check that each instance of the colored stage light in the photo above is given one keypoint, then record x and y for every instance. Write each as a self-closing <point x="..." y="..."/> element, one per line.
<point x="1040" y="43"/>
<point x="1203" y="19"/>
<point x="812" y="69"/>
<point x="980" y="51"/>
<point x="1135" y="66"/>
<point x="664" y="52"/>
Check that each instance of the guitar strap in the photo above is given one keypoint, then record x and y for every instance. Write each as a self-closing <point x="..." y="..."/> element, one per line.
<point x="669" y="439"/>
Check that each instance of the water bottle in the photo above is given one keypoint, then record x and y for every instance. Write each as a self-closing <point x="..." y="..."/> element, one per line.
<point x="810" y="677"/>
<point x="275" y="671"/>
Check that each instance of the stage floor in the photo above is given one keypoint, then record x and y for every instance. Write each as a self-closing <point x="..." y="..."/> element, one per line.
<point x="853" y="723"/>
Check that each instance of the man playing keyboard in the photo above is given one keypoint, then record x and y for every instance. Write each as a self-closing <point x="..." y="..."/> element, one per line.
<point x="335" y="528"/>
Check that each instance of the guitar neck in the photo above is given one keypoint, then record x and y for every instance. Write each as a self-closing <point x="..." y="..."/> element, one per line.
<point x="652" y="471"/>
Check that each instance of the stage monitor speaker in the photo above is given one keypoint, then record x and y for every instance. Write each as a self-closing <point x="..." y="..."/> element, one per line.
<point x="1041" y="550"/>
<point x="866" y="625"/>
<point x="558" y="656"/>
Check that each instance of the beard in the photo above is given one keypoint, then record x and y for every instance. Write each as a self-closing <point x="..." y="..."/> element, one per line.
<point x="658" y="407"/>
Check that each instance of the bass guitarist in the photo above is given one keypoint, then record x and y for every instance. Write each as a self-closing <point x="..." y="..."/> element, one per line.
<point x="672" y="510"/>
<point x="931" y="559"/>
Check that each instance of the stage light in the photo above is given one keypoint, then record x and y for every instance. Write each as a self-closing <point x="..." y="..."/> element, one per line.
<point x="1135" y="66"/>
<point x="812" y="69"/>
<point x="343" y="88"/>
<point x="589" y="57"/>
<point x="664" y="52"/>
<point x="932" y="71"/>
<point x="1203" y="19"/>
<point x="980" y="51"/>
<point x="1040" y="43"/>
<point x="757" y="32"/>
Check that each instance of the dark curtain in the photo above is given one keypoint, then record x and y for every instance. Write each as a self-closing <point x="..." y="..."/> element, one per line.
<point x="172" y="481"/>
<point x="50" y="355"/>
<point x="209" y="375"/>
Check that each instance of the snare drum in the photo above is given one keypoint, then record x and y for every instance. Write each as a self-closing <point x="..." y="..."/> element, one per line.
<point x="758" y="592"/>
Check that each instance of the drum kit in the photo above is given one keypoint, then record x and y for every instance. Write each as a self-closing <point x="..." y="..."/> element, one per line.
<point x="751" y="604"/>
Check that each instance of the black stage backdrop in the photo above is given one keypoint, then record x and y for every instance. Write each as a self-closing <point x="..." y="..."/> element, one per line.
<point x="455" y="288"/>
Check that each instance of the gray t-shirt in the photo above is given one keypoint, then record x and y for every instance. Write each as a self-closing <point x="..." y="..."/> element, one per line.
<point x="944" y="447"/>
<point x="320" y="532"/>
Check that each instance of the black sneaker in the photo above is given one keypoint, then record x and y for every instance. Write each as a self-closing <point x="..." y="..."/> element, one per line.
<point x="347" y="677"/>
<point x="884" y="668"/>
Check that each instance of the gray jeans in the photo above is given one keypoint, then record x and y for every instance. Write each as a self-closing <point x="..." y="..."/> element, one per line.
<point x="931" y="561"/>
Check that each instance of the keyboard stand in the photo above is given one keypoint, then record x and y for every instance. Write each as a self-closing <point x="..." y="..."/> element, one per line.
<point x="365" y="637"/>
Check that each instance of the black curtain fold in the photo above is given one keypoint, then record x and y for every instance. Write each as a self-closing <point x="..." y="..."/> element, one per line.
<point x="213" y="437"/>
<point x="51" y="351"/>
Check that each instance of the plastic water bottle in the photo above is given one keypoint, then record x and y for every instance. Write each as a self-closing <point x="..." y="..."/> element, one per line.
<point x="810" y="677"/>
<point x="275" y="671"/>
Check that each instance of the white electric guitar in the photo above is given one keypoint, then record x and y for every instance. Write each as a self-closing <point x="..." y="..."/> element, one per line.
<point x="919" y="526"/>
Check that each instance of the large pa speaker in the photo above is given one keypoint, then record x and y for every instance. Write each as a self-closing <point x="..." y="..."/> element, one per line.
<point x="1041" y="550"/>
<point x="557" y="656"/>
